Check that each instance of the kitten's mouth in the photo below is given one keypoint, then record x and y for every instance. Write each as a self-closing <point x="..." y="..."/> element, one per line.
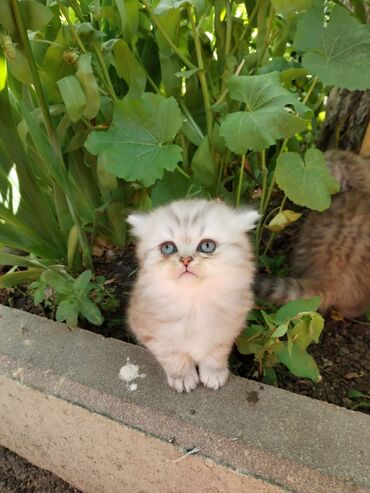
<point x="187" y="273"/>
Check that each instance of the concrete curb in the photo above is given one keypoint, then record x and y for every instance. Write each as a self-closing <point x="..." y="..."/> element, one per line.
<point x="64" y="408"/>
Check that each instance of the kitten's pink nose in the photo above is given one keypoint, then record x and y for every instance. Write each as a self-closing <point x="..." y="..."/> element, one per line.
<point x="186" y="260"/>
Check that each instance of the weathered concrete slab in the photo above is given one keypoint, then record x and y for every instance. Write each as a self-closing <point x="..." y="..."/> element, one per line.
<point x="64" y="407"/>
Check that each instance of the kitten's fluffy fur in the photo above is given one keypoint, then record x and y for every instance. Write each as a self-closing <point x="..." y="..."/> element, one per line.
<point x="332" y="256"/>
<point x="190" y="321"/>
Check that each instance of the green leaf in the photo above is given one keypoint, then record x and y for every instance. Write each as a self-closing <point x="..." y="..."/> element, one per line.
<point x="357" y="394"/>
<point x="89" y="85"/>
<point x="90" y="311"/>
<point x="35" y="15"/>
<point x="136" y="145"/>
<point x="21" y="277"/>
<point x="73" y="96"/>
<point x="310" y="28"/>
<point x="20" y="261"/>
<point x="129" y="17"/>
<point x="307" y="330"/>
<point x="288" y="7"/>
<point x="293" y="308"/>
<point x="280" y="331"/>
<point x="68" y="311"/>
<point x="307" y="182"/>
<point x="129" y="69"/>
<point x="203" y="166"/>
<point x="57" y="281"/>
<point x="265" y="119"/>
<point x="300" y="363"/>
<point x="246" y="341"/>
<point x="173" y="186"/>
<point x="82" y="281"/>
<point x="340" y="55"/>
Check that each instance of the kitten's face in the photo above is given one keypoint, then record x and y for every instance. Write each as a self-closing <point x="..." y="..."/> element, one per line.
<point x="192" y="240"/>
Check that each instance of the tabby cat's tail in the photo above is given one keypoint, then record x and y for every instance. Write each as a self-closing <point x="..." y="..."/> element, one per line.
<point x="280" y="290"/>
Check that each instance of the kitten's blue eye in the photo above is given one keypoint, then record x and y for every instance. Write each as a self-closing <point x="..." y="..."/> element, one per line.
<point x="168" y="248"/>
<point x="207" y="246"/>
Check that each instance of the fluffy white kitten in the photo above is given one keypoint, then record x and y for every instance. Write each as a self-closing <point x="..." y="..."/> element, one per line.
<point x="193" y="290"/>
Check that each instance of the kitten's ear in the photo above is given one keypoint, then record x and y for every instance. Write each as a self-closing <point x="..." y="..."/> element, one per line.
<point x="246" y="219"/>
<point x="137" y="222"/>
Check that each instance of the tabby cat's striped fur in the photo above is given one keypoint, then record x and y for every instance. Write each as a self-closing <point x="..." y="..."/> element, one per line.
<point x="332" y="256"/>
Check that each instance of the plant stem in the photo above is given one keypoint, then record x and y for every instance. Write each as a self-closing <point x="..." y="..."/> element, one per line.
<point x="229" y="26"/>
<point x="50" y="130"/>
<point x="72" y="27"/>
<point x="180" y="170"/>
<point x="158" y="25"/>
<point x="240" y="182"/>
<point x="203" y="81"/>
<point x="312" y="87"/>
<point x="264" y="181"/>
<point x="108" y="82"/>
<point x="247" y="28"/>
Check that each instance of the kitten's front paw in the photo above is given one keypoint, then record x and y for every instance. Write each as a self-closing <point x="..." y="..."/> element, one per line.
<point x="213" y="378"/>
<point x="184" y="383"/>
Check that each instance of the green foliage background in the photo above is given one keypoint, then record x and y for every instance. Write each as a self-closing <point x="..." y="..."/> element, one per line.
<point x="109" y="105"/>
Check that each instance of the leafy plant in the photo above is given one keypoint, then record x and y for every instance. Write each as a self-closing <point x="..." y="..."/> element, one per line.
<point x="71" y="296"/>
<point x="360" y="399"/>
<point x="283" y="337"/>
<point x="111" y="105"/>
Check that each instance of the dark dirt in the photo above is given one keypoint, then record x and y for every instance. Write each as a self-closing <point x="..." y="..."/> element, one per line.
<point x="19" y="476"/>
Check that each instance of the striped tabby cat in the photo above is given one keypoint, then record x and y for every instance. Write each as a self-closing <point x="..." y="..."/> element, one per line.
<point x="332" y="256"/>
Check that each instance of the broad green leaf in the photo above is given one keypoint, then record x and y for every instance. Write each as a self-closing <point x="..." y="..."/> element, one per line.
<point x="82" y="282"/>
<point x="280" y="331"/>
<point x="90" y="311"/>
<point x="107" y="181"/>
<point x="310" y="28"/>
<point x="307" y="182"/>
<point x="203" y="166"/>
<point x="129" y="17"/>
<point x="307" y="330"/>
<point x="266" y="118"/>
<point x="73" y="96"/>
<point x="291" y="6"/>
<point x="293" y="308"/>
<point x="246" y="342"/>
<point x="35" y="15"/>
<point x="340" y="55"/>
<point x="173" y="186"/>
<point x="269" y="319"/>
<point x="68" y="311"/>
<point x="21" y="277"/>
<point x="282" y="220"/>
<point x="19" y="67"/>
<point x="10" y="259"/>
<point x="169" y="62"/>
<point x="136" y="146"/>
<point x="6" y="17"/>
<point x="57" y="281"/>
<point x="129" y="68"/>
<point x="89" y="85"/>
<point x="300" y="363"/>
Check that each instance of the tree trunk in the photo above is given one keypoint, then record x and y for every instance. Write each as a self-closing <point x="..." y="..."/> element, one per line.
<point x="347" y="119"/>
